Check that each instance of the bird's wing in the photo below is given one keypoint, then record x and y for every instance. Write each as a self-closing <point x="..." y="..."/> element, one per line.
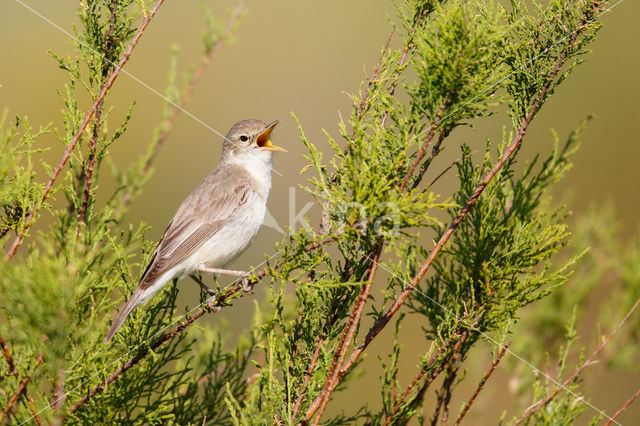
<point x="200" y="216"/>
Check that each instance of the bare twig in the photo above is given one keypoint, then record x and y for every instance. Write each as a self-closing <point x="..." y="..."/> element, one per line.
<point x="480" y="386"/>
<point x="364" y="102"/>
<point x="449" y="167"/>
<point x="399" y="68"/>
<point x="87" y="172"/>
<point x="538" y="405"/>
<point x="67" y="154"/>
<point x="435" y="151"/>
<point x="20" y="390"/>
<point x="624" y="407"/>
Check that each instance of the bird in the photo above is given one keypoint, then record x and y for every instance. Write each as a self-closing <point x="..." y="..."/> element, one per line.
<point x="218" y="220"/>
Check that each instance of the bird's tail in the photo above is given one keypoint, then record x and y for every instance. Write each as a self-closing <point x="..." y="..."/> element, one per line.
<point x="137" y="298"/>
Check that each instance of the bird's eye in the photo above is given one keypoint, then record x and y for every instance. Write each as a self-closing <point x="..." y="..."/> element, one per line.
<point x="244" y="138"/>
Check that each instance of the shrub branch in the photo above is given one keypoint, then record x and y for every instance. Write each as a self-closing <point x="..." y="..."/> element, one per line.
<point x="67" y="154"/>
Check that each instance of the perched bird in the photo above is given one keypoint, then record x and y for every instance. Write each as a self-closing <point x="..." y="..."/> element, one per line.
<point x="218" y="220"/>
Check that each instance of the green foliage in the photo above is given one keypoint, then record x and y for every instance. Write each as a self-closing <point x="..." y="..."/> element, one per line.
<point x="371" y="260"/>
<point x="19" y="189"/>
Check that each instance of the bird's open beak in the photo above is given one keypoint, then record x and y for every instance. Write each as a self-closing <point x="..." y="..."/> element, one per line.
<point x="264" y="139"/>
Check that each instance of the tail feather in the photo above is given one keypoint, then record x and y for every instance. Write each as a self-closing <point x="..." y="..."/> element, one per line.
<point x="136" y="299"/>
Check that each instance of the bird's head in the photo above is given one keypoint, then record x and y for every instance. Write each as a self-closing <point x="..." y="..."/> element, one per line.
<point x="248" y="140"/>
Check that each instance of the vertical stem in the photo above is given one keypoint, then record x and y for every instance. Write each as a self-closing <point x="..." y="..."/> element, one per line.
<point x="87" y="173"/>
<point x="21" y="388"/>
<point x="320" y="403"/>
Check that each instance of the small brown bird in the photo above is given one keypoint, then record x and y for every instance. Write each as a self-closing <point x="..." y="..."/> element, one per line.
<point x="218" y="220"/>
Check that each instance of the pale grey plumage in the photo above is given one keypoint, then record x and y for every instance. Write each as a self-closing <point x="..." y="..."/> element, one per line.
<point x="233" y="195"/>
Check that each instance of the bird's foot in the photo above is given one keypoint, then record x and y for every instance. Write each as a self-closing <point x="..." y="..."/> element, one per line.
<point x="247" y="283"/>
<point x="212" y="303"/>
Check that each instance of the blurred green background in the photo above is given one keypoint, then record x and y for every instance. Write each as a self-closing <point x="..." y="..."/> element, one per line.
<point x="304" y="57"/>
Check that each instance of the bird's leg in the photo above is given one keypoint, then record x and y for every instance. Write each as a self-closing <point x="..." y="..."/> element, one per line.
<point x="222" y="271"/>
<point x="203" y="285"/>
<point x="247" y="286"/>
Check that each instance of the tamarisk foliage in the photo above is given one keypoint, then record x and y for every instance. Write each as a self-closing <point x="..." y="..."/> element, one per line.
<point x="389" y="249"/>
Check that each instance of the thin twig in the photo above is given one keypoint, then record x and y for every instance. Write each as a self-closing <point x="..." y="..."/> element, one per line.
<point x="423" y="371"/>
<point x="399" y="68"/>
<point x="483" y="381"/>
<point x="364" y="102"/>
<point x="20" y="390"/>
<point x="624" y="407"/>
<point x="67" y="154"/>
<point x="538" y="405"/>
<point x="425" y="145"/>
<point x="320" y="403"/>
<point x="87" y="172"/>
<point x="7" y="356"/>
<point x="58" y="397"/>
<point x="444" y="395"/>
<point x="197" y="75"/>
<point x="145" y="351"/>
<point x="449" y="167"/>
<point x="405" y="55"/>
<point x="434" y="152"/>
<point x="439" y="360"/>
<point x="315" y="356"/>
<point x="12" y="370"/>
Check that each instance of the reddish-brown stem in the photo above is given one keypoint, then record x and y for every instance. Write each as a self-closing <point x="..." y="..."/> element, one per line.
<point x="433" y="374"/>
<point x="435" y="151"/>
<point x="508" y="153"/>
<point x="332" y="380"/>
<point x="58" y="397"/>
<point x="14" y="372"/>
<point x="449" y="167"/>
<point x="313" y="360"/>
<point x="480" y="386"/>
<point x="364" y="103"/>
<point x="7" y="356"/>
<point x="97" y="121"/>
<point x="624" y="407"/>
<point x="538" y="405"/>
<point x="21" y="388"/>
<point x="425" y="145"/>
<point x="403" y="59"/>
<point x="446" y="390"/>
<point x="67" y="154"/>
<point x="438" y="358"/>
